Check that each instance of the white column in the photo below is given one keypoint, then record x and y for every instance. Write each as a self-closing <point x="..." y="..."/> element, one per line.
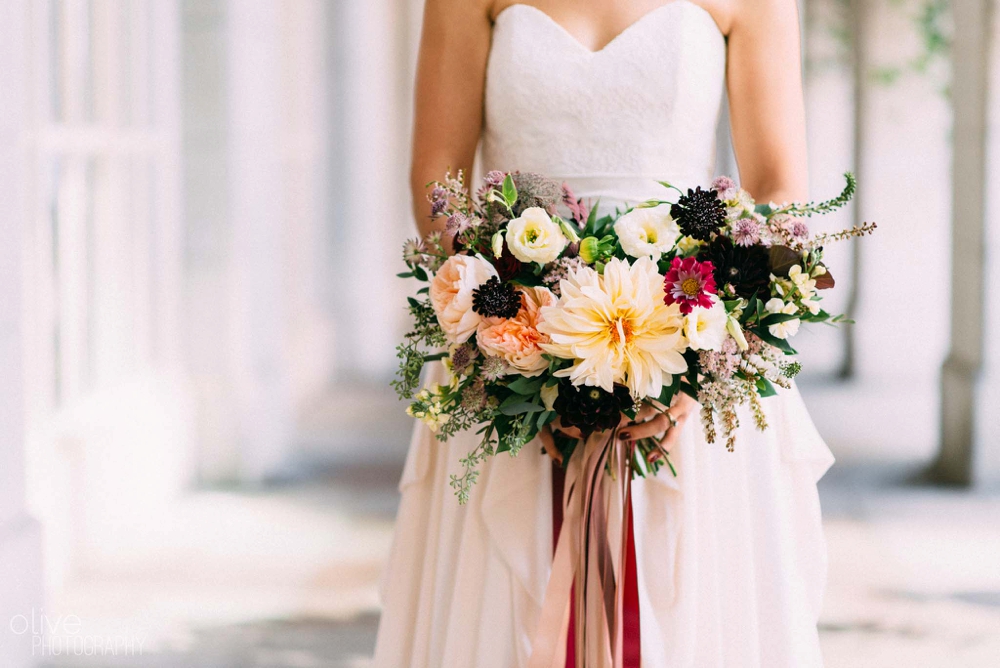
<point x="20" y="537"/>
<point x="258" y="315"/>
<point x="970" y="379"/>
<point x="371" y="212"/>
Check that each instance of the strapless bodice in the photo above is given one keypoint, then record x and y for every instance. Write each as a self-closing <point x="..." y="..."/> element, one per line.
<point x="610" y="122"/>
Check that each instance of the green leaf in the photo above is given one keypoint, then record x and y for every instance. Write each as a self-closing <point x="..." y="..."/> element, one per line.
<point x="545" y="417"/>
<point x="435" y="357"/>
<point x="591" y="225"/>
<point x="424" y="290"/>
<point x="764" y="209"/>
<point x="405" y="274"/>
<point x="509" y="191"/>
<point x="526" y="386"/>
<point x="765" y="388"/>
<point x="419" y="273"/>
<point x="518" y="407"/>
<point x="413" y="302"/>
<point x="780" y="344"/>
<point x="776" y="318"/>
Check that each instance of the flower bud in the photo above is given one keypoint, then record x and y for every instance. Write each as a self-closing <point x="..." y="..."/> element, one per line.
<point x="590" y="249"/>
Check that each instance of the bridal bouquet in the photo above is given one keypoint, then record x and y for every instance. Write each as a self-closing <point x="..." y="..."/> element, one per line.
<point x="550" y="311"/>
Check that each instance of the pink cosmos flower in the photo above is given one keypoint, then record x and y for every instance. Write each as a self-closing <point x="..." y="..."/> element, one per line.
<point x="689" y="283"/>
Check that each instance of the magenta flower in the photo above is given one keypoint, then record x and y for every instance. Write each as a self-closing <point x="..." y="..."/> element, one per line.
<point x="689" y="283"/>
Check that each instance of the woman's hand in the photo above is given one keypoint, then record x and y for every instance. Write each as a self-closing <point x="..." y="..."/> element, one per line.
<point x="549" y="442"/>
<point x="654" y="420"/>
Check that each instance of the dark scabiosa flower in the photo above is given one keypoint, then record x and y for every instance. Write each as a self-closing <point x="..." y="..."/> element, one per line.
<point x="591" y="409"/>
<point x="746" y="268"/>
<point x="700" y="213"/>
<point x="494" y="299"/>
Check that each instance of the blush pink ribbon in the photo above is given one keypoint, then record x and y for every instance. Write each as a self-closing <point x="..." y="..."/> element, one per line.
<point x="596" y="509"/>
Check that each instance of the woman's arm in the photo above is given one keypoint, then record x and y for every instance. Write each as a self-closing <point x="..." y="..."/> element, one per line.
<point x="448" y="114"/>
<point x="767" y="112"/>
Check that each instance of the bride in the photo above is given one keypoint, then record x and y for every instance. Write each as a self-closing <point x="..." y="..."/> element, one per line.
<point x="611" y="96"/>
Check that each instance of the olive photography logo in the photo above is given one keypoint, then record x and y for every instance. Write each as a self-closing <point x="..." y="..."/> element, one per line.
<point x="66" y="635"/>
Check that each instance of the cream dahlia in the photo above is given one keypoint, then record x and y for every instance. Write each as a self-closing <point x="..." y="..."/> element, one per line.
<point x="616" y="329"/>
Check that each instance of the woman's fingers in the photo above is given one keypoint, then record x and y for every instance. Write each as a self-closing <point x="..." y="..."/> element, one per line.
<point x="652" y="427"/>
<point x="572" y="432"/>
<point x="549" y="443"/>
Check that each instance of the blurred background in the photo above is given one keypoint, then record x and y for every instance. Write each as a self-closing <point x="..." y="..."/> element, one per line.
<point x="202" y="204"/>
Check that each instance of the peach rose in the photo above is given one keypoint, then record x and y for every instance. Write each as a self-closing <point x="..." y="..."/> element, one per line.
<point x="517" y="339"/>
<point x="451" y="294"/>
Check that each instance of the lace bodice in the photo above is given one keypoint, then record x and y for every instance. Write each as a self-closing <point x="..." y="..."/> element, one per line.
<point x="610" y="122"/>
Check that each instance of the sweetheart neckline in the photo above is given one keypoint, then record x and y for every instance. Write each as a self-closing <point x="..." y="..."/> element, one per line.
<point x="628" y="29"/>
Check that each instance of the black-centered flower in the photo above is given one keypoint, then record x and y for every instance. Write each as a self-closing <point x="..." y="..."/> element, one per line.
<point x="746" y="268"/>
<point x="494" y="299"/>
<point x="591" y="409"/>
<point x="700" y="213"/>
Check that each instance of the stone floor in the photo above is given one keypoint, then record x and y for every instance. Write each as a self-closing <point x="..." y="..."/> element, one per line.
<point x="286" y="577"/>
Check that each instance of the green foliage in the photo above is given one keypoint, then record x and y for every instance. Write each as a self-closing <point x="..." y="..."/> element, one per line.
<point x="822" y="208"/>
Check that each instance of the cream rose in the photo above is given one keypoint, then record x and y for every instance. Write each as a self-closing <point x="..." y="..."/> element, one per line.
<point x="535" y="237"/>
<point x="517" y="340"/>
<point x="451" y="294"/>
<point x="647" y="232"/>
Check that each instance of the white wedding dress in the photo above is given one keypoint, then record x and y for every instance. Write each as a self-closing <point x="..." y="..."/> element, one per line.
<point x="730" y="554"/>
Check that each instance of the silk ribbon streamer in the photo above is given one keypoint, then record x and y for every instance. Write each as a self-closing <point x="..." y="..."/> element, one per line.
<point x="596" y="509"/>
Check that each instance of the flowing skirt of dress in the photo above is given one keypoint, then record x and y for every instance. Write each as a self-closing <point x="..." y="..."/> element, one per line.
<point x="730" y="554"/>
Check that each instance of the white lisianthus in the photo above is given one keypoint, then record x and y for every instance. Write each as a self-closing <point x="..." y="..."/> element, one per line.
<point x="535" y="237"/>
<point x="705" y="328"/>
<point x="812" y="305"/>
<point x="789" y="328"/>
<point x="647" y="232"/>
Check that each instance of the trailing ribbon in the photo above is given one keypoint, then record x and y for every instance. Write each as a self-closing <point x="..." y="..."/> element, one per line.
<point x="596" y="516"/>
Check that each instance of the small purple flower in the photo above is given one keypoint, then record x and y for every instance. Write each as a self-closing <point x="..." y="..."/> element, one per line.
<point x="438" y="206"/>
<point x="457" y="223"/>
<point x="462" y="357"/>
<point x="726" y="187"/>
<point x="800" y="230"/>
<point x="494" y="368"/>
<point x="495" y="177"/>
<point x="474" y="397"/>
<point x="439" y="193"/>
<point x="746" y="232"/>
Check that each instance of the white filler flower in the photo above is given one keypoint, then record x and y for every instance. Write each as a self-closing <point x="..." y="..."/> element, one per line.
<point x="647" y="232"/>
<point x="535" y="237"/>
<point x="783" y="330"/>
